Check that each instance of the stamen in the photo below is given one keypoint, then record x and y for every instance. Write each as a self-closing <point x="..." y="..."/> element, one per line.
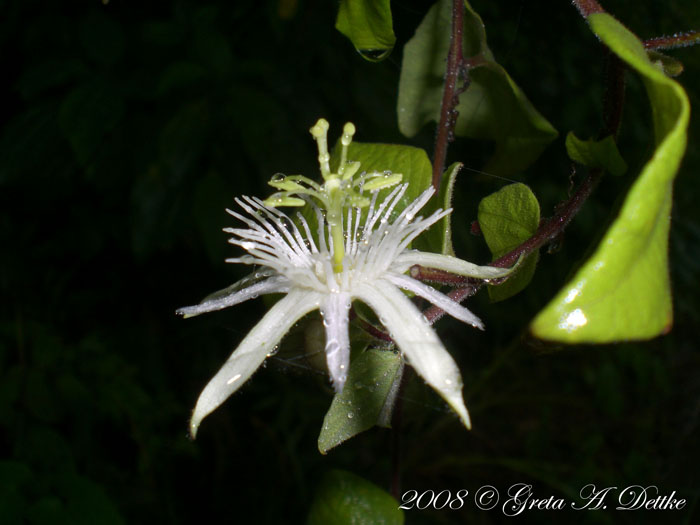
<point x="320" y="133"/>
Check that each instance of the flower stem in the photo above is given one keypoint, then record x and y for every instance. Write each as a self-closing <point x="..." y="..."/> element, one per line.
<point x="450" y="96"/>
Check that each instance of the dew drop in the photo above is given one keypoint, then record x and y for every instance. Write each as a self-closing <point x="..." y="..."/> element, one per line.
<point x="233" y="379"/>
<point x="350" y="415"/>
<point x="374" y="55"/>
<point x="278" y="177"/>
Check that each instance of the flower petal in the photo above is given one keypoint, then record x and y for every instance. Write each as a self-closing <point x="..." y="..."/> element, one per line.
<point x="449" y="264"/>
<point x="252" y="351"/>
<point x="335" y="312"/>
<point x="236" y="293"/>
<point x="440" y="300"/>
<point x="417" y="340"/>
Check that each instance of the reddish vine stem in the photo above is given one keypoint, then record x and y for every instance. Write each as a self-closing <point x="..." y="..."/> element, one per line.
<point x="450" y="97"/>
<point x="588" y="7"/>
<point x="548" y="230"/>
<point x="614" y="95"/>
<point x="674" y="41"/>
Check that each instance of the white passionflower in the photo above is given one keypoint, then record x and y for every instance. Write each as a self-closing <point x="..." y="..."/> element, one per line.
<point x="375" y="260"/>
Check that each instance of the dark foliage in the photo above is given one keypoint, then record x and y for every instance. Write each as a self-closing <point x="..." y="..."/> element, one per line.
<point x="128" y="127"/>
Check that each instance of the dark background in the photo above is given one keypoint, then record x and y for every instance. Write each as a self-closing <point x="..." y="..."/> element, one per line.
<point x="127" y="128"/>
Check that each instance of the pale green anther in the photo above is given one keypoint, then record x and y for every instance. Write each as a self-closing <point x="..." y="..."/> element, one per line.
<point x="350" y="168"/>
<point x="382" y="181"/>
<point x="300" y="178"/>
<point x="358" y="201"/>
<point x="288" y="185"/>
<point x="279" y="199"/>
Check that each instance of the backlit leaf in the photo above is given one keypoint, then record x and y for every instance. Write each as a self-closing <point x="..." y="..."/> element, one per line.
<point x="623" y="291"/>
<point x="507" y="218"/>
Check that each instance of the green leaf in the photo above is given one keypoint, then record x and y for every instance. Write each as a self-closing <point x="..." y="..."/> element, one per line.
<point x="623" y="291"/>
<point x="492" y="108"/>
<point x="596" y="153"/>
<point x="438" y="239"/>
<point x="359" y="406"/>
<point x="102" y="37"/>
<point x="211" y="197"/>
<point x="507" y="218"/>
<point x="39" y="79"/>
<point x="184" y="136"/>
<point x="87" y="114"/>
<point x="86" y="502"/>
<point x="412" y="163"/>
<point x="179" y="75"/>
<point x="368" y="25"/>
<point x="343" y="498"/>
<point x="669" y="65"/>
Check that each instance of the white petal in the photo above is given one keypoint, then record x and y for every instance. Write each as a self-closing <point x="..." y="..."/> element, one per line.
<point x="252" y="351"/>
<point x="234" y="294"/>
<point x="335" y="312"/>
<point x="417" y="340"/>
<point x="449" y="264"/>
<point x="440" y="300"/>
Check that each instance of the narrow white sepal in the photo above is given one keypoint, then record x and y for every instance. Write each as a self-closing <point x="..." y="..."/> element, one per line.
<point x="418" y="342"/>
<point x="252" y="351"/>
<point x="440" y="300"/>
<point x="220" y="300"/>
<point x="335" y="312"/>
<point x="450" y="264"/>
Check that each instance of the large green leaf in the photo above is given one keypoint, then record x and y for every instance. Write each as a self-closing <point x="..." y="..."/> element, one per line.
<point x="507" y="218"/>
<point x="344" y="498"/>
<point x="88" y="113"/>
<point x="623" y="291"/>
<point x="493" y="107"/>
<point x="413" y="163"/>
<point x="368" y="25"/>
<point x="361" y="403"/>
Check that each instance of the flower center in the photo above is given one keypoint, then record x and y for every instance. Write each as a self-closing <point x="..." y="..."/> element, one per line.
<point x="340" y="190"/>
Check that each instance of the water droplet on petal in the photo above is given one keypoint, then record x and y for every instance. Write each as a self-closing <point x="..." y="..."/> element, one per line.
<point x="233" y="379"/>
